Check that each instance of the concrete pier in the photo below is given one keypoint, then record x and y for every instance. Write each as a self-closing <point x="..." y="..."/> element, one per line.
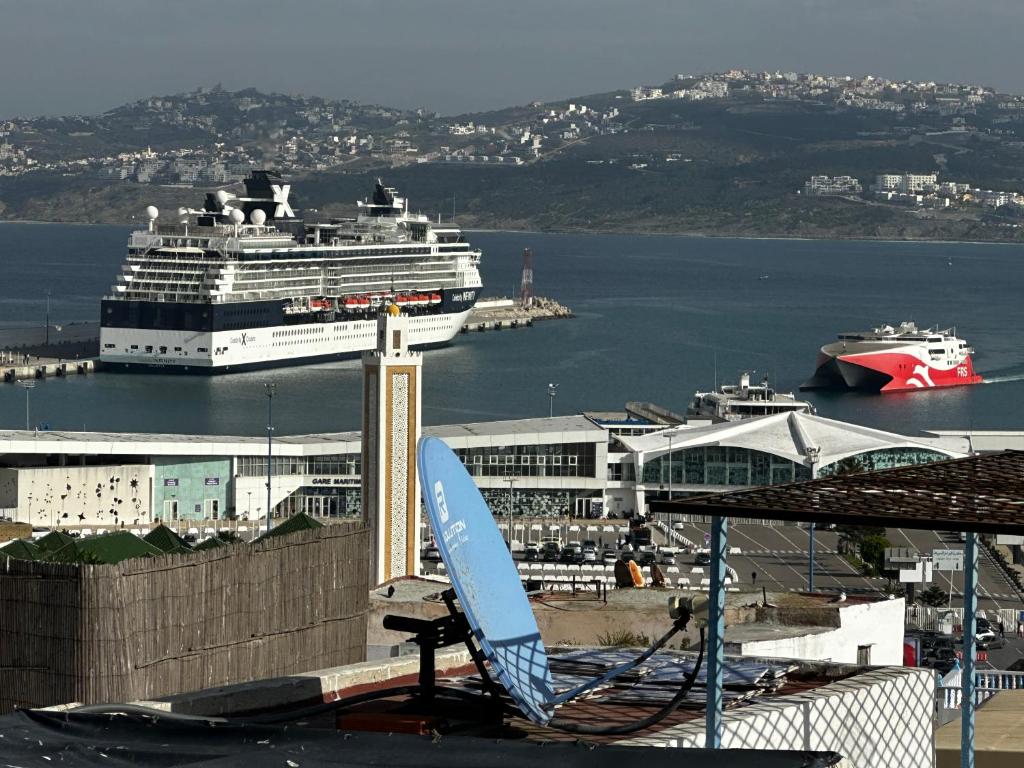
<point x="498" y="314"/>
<point x="16" y="368"/>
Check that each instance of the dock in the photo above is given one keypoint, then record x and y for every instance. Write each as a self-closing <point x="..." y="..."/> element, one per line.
<point x="499" y="314"/>
<point x="17" y="368"/>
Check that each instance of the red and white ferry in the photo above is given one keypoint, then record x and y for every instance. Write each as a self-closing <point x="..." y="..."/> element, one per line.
<point x="888" y="359"/>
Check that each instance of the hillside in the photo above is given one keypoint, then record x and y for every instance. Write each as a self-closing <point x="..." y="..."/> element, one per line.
<point x="730" y="156"/>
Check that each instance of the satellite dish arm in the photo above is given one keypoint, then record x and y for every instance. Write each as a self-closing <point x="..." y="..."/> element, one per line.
<point x="647" y="722"/>
<point x="611" y="674"/>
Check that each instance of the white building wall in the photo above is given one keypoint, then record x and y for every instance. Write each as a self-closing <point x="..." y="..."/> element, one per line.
<point x="878" y="625"/>
<point x="877" y="719"/>
<point x="42" y="496"/>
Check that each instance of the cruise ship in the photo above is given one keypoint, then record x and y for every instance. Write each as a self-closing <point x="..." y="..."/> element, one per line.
<point x="888" y="359"/>
<point x="246" y="283"/>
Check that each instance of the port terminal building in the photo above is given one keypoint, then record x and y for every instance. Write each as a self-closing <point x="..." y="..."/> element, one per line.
<point x="586" y="465"/>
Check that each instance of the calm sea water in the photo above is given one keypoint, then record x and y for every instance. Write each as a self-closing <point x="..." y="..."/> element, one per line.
<point x="656" y="317"/>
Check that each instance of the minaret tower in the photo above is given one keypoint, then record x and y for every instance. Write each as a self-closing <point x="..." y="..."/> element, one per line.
<point x="391" y="430"/>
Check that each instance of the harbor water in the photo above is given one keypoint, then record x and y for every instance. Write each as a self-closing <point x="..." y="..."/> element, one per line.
<point x="657" y="317"/>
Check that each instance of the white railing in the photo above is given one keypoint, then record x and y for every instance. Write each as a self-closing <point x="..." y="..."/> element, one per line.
<point x="924" y="617"/>
<point x="949" y="694"/>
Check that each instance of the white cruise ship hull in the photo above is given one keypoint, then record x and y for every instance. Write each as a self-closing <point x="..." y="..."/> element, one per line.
<point x="214" y="352"/>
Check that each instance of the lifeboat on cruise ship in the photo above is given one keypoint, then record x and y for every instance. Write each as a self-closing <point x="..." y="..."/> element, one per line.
<point x="351" y="304"/>
<point x="402" y="300"/>
<point x="364" y="302"/>
<point x="421" y="300"/>
<point x="435" y="298"/>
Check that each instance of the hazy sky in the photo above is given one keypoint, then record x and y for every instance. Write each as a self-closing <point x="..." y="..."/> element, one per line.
<point x="86" y="56"/>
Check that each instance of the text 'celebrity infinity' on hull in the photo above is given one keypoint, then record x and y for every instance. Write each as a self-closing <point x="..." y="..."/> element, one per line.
<point x="245" y="283"/>
<point x="889" y="359"/>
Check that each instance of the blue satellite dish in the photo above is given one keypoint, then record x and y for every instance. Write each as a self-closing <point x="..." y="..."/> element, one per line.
<point x="485" y="579"/>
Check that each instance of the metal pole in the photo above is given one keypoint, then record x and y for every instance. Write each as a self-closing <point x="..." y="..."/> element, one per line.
<point x="670" y="468"/>
<point x="511" y="482"/>
<point x="47" y="317"/>
<point x="270" y="445"/>
<point x="27" y="385"/>
<point x="716" y="633"/>
<point x="970" y="653"/>
<point x="810" y="558"/>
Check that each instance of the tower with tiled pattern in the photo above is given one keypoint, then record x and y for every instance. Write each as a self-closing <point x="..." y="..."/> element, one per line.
<point x="391" y="429"/>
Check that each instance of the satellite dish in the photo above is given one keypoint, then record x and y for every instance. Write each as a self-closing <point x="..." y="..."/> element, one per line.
<point x="222" y="196"/>
<point x="491" y="595"/>
<point x="258" y="217"/>
<point x="237" y="217"/>
<point x="152" y="212"/>
<point x="485" y="579"/>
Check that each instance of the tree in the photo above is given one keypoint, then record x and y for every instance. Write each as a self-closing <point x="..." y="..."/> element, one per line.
<point x="934" y="597"/>
<point x="872" y="552"/>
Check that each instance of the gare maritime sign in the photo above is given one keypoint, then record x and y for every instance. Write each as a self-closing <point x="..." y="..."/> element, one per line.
<point x="331" y="481"/>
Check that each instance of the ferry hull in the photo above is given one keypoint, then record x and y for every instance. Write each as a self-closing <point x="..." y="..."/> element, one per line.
<point x="888" y="372"/>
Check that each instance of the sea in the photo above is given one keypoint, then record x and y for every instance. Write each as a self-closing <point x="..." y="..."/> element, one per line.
<point x="657" y="319"/>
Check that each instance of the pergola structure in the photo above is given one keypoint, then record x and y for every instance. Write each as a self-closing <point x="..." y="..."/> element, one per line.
<point x="977" y="494"/>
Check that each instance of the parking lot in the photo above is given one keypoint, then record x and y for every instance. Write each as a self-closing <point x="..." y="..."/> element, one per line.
<point x="773" y="556"/>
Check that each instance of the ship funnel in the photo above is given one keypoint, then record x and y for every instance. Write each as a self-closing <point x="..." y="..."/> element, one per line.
<point x="745" y="385"/>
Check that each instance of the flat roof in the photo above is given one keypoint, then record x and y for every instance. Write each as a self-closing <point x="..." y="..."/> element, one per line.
<point x="984" y="494"/>
<point x="148" y="443"/>
<point x="557" y="424"/>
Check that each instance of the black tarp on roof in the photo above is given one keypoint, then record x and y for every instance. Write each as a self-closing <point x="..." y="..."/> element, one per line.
<point x="77" y="741"/>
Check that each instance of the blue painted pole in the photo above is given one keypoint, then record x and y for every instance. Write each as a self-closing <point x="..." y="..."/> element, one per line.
<point x="716" y="633"/>
<point x="970" y="654"/>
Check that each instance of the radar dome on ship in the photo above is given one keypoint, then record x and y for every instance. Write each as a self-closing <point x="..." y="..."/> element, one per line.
<point x="237" y="216"/>
<point x="152" y="212"/>
<point x="258" y="217"/>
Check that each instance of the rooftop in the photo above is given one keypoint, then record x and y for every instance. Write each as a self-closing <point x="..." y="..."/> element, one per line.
<point x="984" y="494"/>
<point x="792" y="436"/>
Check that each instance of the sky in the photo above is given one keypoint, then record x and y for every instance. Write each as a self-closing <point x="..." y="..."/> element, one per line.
<point x="454" y="56"/>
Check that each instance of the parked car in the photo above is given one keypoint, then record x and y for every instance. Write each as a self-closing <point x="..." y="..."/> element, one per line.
<point x="549" y="551"/>
<point x="431" y="554"/>
<point x="678" y="526"/>
<point x="668" y="557"/>
<point x="610" y="557"/>
<point x="702" y="558"/>
<point x="589" y="555"/>
<point x="571" y="554"/>
<point x="531" y="554"/>
<point x="646" y="558"/>
<point x="590" y="543"/>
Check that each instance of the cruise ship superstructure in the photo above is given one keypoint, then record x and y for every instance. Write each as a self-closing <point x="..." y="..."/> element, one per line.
<point x="245" y="283"/>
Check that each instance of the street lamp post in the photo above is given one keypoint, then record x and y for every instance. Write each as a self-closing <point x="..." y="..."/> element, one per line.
<point x="511" y="482"/>
<point x="270" y="389"/>
<point x="28" y="385"/>
<point x="670" y="467"/>
<point x="248" y="513"/>
<point x="551" y="399"/>
<point x="47" y="317"/>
